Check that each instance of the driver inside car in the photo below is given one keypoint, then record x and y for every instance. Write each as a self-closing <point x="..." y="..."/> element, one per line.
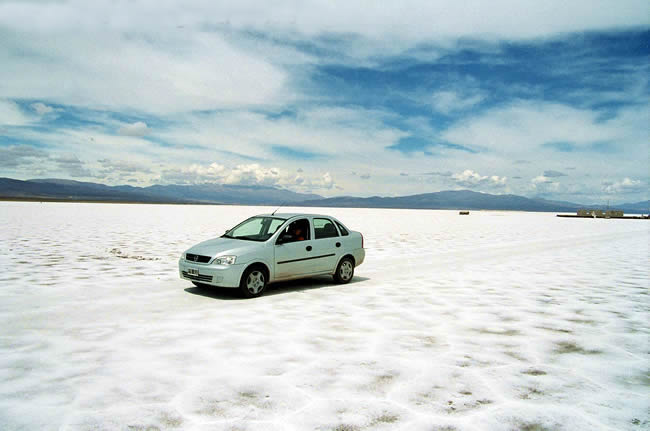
<point x="297" y="234"/>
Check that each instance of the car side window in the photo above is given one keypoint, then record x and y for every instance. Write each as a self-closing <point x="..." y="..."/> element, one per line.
<point x="324" y="228"/>
<point x="297" y="230"/>
<point x="344" y="231"/>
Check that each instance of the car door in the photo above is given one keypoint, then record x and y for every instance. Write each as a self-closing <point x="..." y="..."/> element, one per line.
<point x="327" y="245"/>
<point x="292" y="253"/>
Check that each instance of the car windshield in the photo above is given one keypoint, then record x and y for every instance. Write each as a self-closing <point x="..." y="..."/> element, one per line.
<point x="255" y="229"/>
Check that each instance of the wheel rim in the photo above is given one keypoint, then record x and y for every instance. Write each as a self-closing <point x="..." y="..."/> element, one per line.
<point x="255" y="282"/>
<point x="346" y="270"/>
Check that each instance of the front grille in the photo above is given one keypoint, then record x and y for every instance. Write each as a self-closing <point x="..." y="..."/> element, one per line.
<point x="197" y="258"/>
<point x="199" y="277"/>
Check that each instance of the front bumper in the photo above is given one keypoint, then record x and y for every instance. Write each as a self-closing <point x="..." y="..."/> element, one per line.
<point x="214" y="275"/>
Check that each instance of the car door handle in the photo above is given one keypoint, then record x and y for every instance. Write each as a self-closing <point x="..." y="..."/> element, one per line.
<point x="338" y="244"/>
<point x="308" y="248"/>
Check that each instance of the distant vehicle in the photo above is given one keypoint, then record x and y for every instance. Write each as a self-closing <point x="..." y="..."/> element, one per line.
<point x="274" y="247"/>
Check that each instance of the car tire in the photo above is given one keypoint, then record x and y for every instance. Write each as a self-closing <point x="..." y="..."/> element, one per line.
<point x="200" y="285"/>
<point x="344" y="271"/>
<point x="253" y="282"/>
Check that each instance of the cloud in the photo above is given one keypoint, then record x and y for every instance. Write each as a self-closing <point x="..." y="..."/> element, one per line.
<point x="439" y="174"/>
<point x="542" y="185"/>
<point x="41" y="108"/>
<point x="12" y="115"/>
<point x="403" y="174"/>
<point x="72" y="166"/>
<point x="469" y="178"/>
<point x="520" y="127"/>
<point x="155" y="72"/>
<point x="626" y="185"/>
<point x="541" y="179"/>
<point x="246" y="174"/>
<point x="410" y="20"/>
<point x="447" y="101"/>
<point x="224" y="56"/>
<point x="554" y="174"/>
<point x="364" y="176"/>
<point x="121" y="168"/>
<point x="194" y="174"/>
<point x="294" y="153"/>
<point x="20" y="155"/>
<point x="138" y="128"/>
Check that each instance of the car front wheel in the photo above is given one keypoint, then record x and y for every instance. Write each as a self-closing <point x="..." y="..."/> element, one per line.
<point x="345" y="271"/>
<point x="253" y="282"/>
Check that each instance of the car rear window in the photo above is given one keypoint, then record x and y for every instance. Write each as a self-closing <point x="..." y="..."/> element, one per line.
<point x="324" y="228"/>
<point x="343" y="230"/>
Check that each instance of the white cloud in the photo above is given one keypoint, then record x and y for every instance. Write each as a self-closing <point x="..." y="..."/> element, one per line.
<point x="332" y="132"/>
<point x="410" y="19"/>
<point x="74" y="167"/>
<point x="11" y="114"/>
<point x="194" y="174"/>
<point x="167" y="56"/>
<point x="554" y="174"/>
<point x="541" y="179"/>
<point x="625" y="185"/>
<point x="469" y="178"/>
<point x="135" y="129"/>
<point x="523" y="126"/>
<point x="121" y="168"/>
<point x="542" y="184"/>
<point x="41" y="108"/>
<point x="153" y="72"/>
<point x="20" y="155"/>
<point x="247" y="174"/>
<point x="448" y="101"/>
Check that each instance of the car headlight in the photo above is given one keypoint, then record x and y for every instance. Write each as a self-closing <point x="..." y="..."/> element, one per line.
<point x="225" y="260"/>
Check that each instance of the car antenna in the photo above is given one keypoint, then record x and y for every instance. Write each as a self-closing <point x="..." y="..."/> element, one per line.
<point x="276" y="210"/>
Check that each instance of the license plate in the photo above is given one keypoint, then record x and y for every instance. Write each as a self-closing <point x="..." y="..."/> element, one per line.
<point x="192" y="271"/>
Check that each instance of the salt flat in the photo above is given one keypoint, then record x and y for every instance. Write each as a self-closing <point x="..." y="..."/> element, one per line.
<point x="493" y="321"/>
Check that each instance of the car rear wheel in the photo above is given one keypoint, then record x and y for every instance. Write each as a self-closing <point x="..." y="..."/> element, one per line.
<point x="253" y="282"/>
<point x="345" y="271"/>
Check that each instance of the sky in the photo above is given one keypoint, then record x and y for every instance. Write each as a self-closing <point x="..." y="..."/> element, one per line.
<point x="542" y="99"/>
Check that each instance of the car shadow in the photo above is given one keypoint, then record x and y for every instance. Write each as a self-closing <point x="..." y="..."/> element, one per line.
<point x="279" y="288"/>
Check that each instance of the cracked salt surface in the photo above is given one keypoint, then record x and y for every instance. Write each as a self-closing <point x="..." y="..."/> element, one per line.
<point x="496" y="321"/>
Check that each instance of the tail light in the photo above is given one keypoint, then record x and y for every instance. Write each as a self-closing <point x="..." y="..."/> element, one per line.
<point x="361" y="239"/>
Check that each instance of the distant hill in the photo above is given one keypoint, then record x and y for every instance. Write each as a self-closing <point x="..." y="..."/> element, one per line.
<point x="465" y="199"/>
<point x="210" y="193"/>
<point x="638" y="207"/>
<point x="58" y="189"/>
<point x="457" y="199"/>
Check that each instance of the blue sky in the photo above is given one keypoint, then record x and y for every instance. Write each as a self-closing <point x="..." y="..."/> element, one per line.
<point x="534" y="98"/>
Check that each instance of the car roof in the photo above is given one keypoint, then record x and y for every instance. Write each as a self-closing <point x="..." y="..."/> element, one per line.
<point x="291" y="215"/>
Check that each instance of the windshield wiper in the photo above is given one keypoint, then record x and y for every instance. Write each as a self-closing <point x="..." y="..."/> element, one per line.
<point x="246" y="238"/>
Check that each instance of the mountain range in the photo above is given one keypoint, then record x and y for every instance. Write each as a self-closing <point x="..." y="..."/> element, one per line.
<point x="212" y="193"/>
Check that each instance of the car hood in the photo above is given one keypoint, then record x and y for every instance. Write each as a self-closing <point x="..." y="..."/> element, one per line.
<point x="223" y="246"/>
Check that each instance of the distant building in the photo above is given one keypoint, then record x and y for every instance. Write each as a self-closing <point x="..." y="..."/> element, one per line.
<point x="600" y="213"/>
